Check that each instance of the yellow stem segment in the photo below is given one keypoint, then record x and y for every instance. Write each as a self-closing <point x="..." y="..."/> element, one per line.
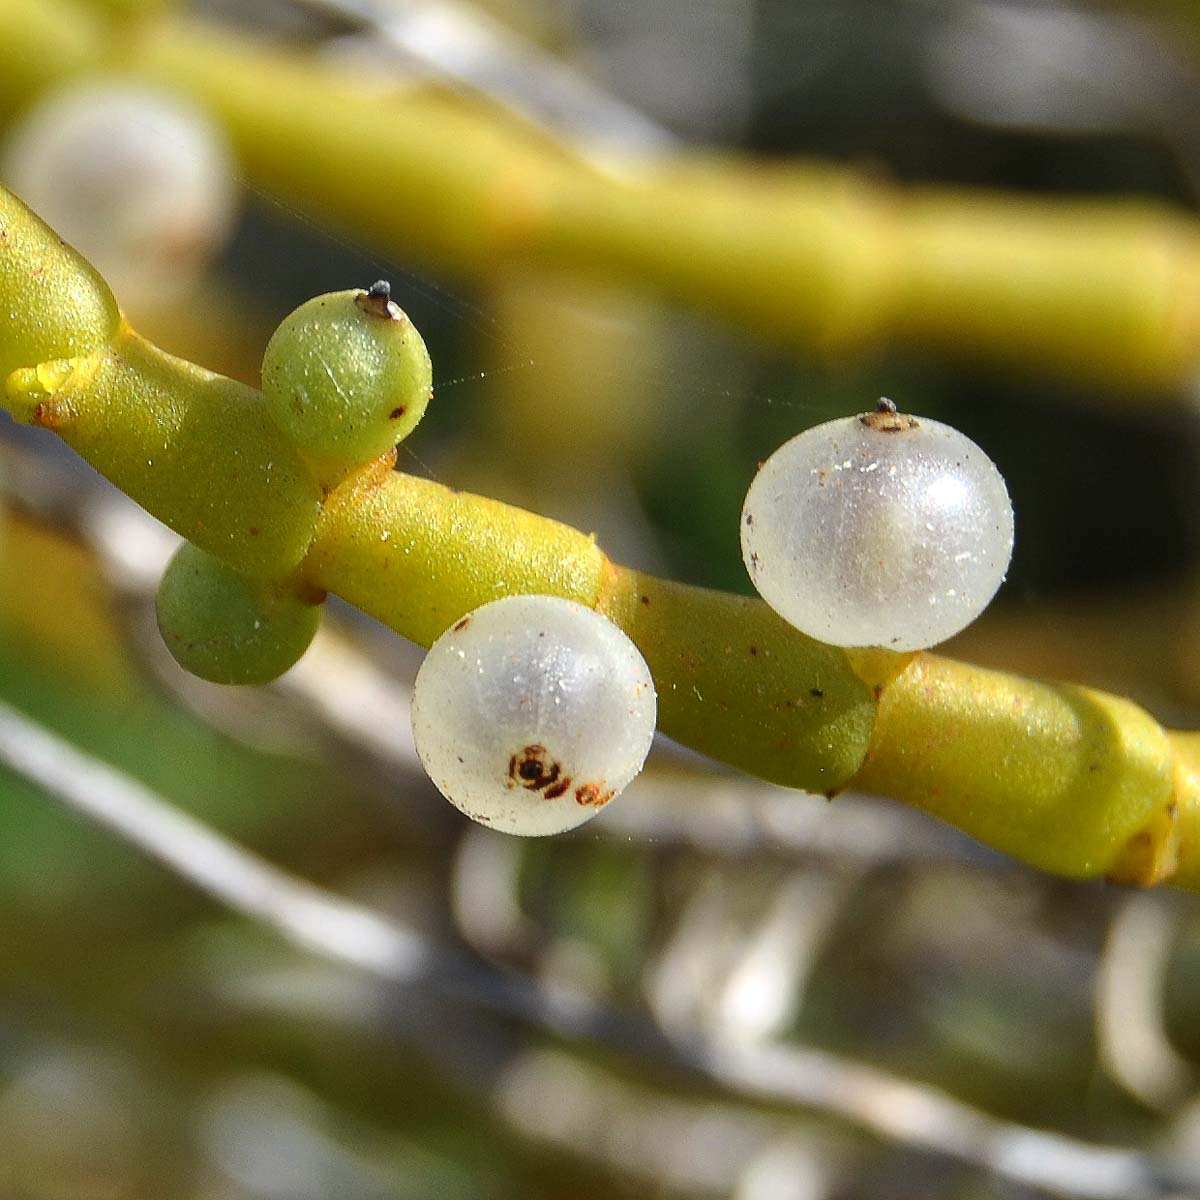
<point x="825" y="259"/>
<point x="815" y="257"/>
<point x="1071" y="780"/>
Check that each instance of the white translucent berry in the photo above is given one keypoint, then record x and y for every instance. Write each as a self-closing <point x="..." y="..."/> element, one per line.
<point x="879" y="530"/>
<point x="137" y="179"/>
<point x="532" y="713"/>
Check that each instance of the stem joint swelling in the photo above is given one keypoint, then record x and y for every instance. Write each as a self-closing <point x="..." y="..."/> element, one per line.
<point x="1070" y="780"/>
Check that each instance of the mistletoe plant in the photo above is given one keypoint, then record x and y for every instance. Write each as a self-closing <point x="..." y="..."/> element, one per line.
<point x="282" y="501"/>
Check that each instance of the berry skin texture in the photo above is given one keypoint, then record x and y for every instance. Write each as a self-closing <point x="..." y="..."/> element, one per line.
<point x="531" y="713"/>
<point x="878" y="530"/>
<point x="228" y="628"/>
<point x="346" y="377"/>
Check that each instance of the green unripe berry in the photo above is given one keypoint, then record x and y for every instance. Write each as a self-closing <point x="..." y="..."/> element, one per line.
<point x="346" y="377"/>
<point x="227" y="627"/>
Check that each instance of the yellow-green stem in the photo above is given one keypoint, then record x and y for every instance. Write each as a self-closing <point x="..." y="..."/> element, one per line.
<point x="1071" y="780"/>
<point x="820" y="258"/>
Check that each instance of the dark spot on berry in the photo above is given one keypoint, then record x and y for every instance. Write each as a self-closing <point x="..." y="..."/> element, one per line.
<point x="592" y="795"/>
<point x="818" y="694"/>
<point x="534" y="769"/>
<point x="878" y="690"/>
<point x="397" y="413"/>
<point x="646" y="600"/>
<point x="376" y="301"/>
<point x="749" y="518"/>
<point x="462" y="625"/>
<point x="887" y="419"/>
<point x="253" y="531"/>
<point x="559" y="789"/>
<point x="754" y="650"/>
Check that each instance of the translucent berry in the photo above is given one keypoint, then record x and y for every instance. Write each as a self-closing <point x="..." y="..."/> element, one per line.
<point x="227" y="628"/>
<point x="137" y="178"/>
<point x="532" y="713"/>
<point x="346" y="377"/>
<point x="878" y="530"/>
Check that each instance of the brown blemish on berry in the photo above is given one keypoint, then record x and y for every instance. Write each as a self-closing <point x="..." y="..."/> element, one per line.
<point x="532" y="772"/>
<point x="376" y="301"/>
<point x="397" y="413"/>
<point x="253" y="531"/>
<point x="753" y="650"/>
<point x="533" y="769"/>
<point x="462" y="625"/>
<point x="887" y="419"/>
<point x="818" y="694"/>
<point x="878" y="691"/>
<point x="592" y="795"/>
<point x="646" y="600"/>
<point x="749" y="518"/>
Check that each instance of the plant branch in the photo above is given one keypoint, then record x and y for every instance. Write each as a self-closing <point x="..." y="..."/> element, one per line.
<point x="1069" y="779"/>
<point x="821" y="258"/>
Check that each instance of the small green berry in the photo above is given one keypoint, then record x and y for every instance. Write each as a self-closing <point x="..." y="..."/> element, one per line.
<point x="228" y="628"/>
<point x="346" y="377"/>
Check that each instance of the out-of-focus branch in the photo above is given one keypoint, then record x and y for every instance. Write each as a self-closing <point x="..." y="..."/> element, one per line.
<point x="775" y="1073"/>
<point x="463" y="44"/>
<point x="1133" y="1042"/>
<point x="815" y="257"/>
